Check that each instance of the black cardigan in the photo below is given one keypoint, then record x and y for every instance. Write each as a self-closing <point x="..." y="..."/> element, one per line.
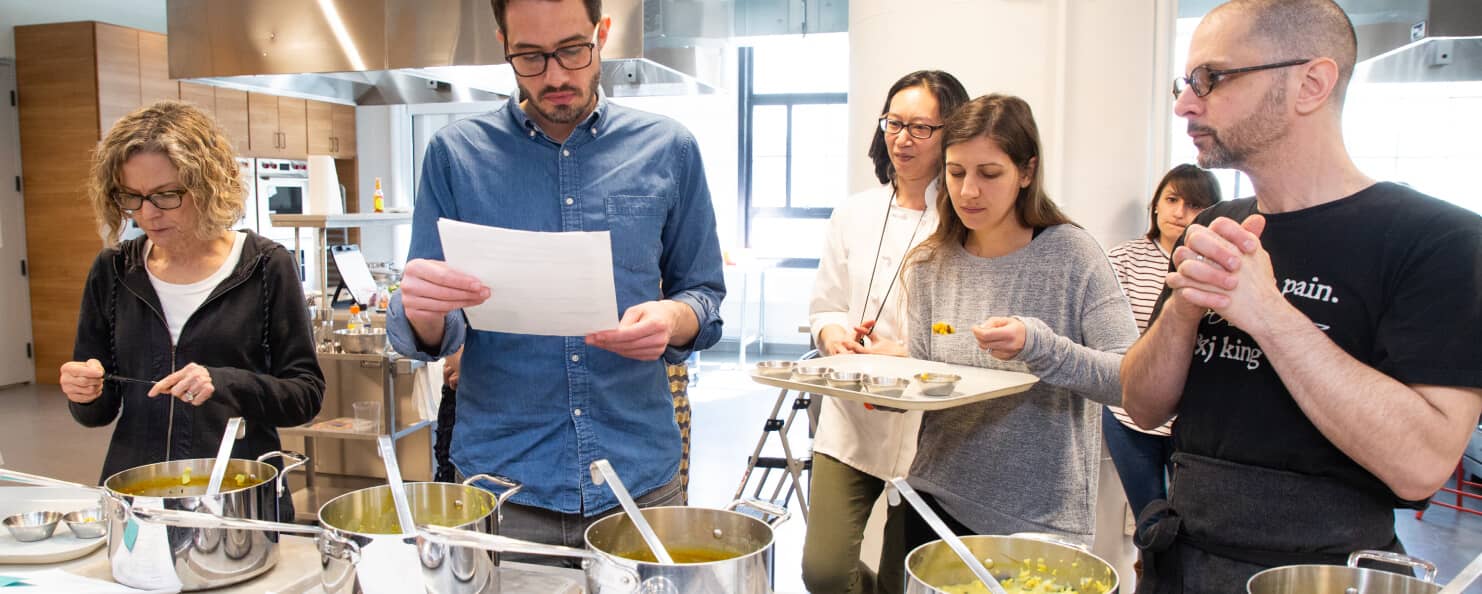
<point x="252" y="334"/>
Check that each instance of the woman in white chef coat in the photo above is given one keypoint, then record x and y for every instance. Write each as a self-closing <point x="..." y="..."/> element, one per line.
<point x="858" y="307"/>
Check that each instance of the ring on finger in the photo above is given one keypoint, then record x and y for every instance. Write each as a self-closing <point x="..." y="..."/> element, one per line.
<point x="190" y="396"/>
<point x="1199" y="257"/>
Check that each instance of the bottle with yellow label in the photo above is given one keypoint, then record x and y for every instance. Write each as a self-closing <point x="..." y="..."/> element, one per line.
<point x="378" y="200"/>
<point x="354" y="323"/>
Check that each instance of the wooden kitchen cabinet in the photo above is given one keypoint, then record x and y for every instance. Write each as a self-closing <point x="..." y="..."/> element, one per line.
<point x="227" y="106"/>
<point x="154" y="69"/>
<point x="74" y="81"/>
<point x="331" y="129"/>
<point x="277" y="126"/>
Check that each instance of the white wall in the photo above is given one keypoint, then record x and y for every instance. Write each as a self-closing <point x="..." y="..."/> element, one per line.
<point x="1088" y="68"/>
<point x="139" y="14"/>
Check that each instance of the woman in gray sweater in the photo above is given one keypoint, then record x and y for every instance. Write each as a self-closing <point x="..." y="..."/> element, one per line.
<point x="1039" y="296"/>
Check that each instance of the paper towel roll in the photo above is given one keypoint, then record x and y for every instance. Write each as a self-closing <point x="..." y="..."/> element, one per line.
<point x="324" y="187"/>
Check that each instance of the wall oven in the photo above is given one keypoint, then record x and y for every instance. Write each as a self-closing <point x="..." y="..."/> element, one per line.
<point x="281" y="186"/>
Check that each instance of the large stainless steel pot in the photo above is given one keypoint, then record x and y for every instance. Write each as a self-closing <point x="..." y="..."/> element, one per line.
<point x="746" y="541"/>
<point x="158" y="557"/>
<point x="933" y="567"/>
<point x="361" y="546"/>
<point x="1338" y="579"/>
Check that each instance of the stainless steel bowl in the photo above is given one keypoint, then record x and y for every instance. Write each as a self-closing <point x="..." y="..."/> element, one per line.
<point x="33" y="526"/>
<point x="87" y="523"/>
<point x="810" y="373"/>
<point x="848" y="380"/>
<point x="362" y="340"/>
<point x="938" y="384"/>
<point x="885" y="386"/>
<point x="774" y="368"/>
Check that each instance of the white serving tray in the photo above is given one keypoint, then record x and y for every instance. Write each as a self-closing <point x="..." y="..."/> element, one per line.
<point x="62" y="545"/>
<point x="977" y="384"/>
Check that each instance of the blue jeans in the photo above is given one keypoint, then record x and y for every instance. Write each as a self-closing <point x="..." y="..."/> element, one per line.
<point x="1141" y="460"/>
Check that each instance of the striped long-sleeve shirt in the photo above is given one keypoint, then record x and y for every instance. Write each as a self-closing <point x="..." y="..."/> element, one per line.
<point x="1141" y="266"/>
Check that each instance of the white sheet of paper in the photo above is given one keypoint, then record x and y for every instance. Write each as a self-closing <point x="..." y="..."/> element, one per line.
<point x="356" y="274"/>
<point x="548" y="284"/>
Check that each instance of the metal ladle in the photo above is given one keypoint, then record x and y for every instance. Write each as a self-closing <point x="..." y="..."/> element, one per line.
<point x="398" y="490"/>
<point x="902" y="489"/>
<point x="602" y="472"/>
<point x="1465" y="578"/>
<point x="223" y="456"/>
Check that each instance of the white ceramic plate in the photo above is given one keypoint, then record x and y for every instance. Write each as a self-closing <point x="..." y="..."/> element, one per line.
<point x="62" y="545"/>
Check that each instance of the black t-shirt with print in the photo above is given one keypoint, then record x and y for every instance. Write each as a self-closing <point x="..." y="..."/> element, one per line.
<point x="1392" y="276"/>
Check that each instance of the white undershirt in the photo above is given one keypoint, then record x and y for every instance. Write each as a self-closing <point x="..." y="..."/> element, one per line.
<point x="180" y="301"/>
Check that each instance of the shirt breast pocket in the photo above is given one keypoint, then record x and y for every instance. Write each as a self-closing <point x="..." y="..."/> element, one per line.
<point x="637" y="226"/>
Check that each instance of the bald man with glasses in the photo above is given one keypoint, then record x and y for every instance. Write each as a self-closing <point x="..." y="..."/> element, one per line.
<point x="1317" y="341"/>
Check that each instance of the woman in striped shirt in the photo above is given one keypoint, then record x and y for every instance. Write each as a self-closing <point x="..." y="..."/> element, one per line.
<point x="1141" y="456"/>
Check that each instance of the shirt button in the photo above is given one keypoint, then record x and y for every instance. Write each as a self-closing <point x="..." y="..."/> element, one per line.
<point x="570" y="201"/>
<point x="575" y="358"/>
<point x="594" y="130"/>
<point x="565" y="153"/>
<point x="576" y="412"/>
<point x="532" y="134"/>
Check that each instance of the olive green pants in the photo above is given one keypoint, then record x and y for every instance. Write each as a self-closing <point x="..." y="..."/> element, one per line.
<point x="839" y="505"/>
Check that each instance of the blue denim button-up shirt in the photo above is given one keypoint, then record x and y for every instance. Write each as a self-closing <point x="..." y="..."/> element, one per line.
<point x="539" y="409"/>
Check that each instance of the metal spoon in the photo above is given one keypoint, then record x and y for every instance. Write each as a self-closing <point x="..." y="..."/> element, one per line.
<point x="1465" y="578"/>
<point x="602" y="472"/>
<point x="902" y="489"/>
<point x="223" y="456"/>
<point x="398" y="490"/>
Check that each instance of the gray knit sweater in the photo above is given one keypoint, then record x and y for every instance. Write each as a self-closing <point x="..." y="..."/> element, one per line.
<point x="1026" y="462"/>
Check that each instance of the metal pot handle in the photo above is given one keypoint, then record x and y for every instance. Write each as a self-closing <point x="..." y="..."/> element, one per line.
<point x="187" y="519"/>
<point x="1053" y="539"/>
<point x="36" y="479"/>
<point x="779" y="514"/>
<point x="499" y="544"/>
<point x="510" y="486"/>
<point x="291" y="460"/>
<point x="348" y="549"/>
<point x="1397" y="559"/>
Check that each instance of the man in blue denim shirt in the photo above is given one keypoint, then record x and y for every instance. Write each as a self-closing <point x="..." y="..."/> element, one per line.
<point x="559" y="157"/>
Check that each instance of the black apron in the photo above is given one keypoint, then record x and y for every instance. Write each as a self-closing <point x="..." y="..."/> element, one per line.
<point x="1225" y="521"/>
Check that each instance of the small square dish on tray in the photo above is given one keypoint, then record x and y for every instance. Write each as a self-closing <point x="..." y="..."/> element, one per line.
<point x="917" y="385"/>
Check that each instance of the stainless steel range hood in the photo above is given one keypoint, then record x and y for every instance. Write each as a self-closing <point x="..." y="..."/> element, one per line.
<point x="1418" y="40"/>
<point x="382" y="52"/>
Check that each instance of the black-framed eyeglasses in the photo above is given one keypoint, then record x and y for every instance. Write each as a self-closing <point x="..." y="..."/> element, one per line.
<point x="921" y="131"/>
<point x="166" y="200"/>
<point x="1203" y="79"/>
<point x="571" y="57"/>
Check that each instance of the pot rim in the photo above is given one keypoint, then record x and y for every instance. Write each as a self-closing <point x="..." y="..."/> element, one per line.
<point x="268" y="481"/>
<point x="326" y="525"/>
<point x="587" y="538"/>
<point x="911" y="574"/>
<point x="1358" y="572"/>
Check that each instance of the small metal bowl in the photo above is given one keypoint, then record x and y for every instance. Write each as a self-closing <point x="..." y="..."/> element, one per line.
<point x="881" y="385"/>
<point x="362" y="341"/>
<point x="87" y="523"/>
<point x="774" y="368"/>
<point x="810" y="374"/>
<point x="848" y="380"/>
<point x="938" y="384"/>
<point x="33" y="526"/>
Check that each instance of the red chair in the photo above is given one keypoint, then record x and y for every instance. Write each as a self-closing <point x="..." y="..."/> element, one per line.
<point x="1460" y="492"/>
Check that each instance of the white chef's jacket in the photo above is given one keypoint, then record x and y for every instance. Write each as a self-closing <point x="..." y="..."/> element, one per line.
<point x="879" y="443"/>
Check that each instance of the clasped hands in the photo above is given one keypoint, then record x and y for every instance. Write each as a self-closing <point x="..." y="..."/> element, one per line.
<point x="1224" y="267"/>
<point x="430" y="289"/>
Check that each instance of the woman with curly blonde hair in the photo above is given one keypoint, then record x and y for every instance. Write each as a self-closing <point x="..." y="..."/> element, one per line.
<point x="213" y="320"/>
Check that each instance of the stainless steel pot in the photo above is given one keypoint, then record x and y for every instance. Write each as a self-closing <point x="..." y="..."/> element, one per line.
<point x="1338" y="579"/>
<point x="746" y="541"/>
<point x="153" y="557"/>
<point x="361" y="546"/>
<point x="933" y="567"/>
